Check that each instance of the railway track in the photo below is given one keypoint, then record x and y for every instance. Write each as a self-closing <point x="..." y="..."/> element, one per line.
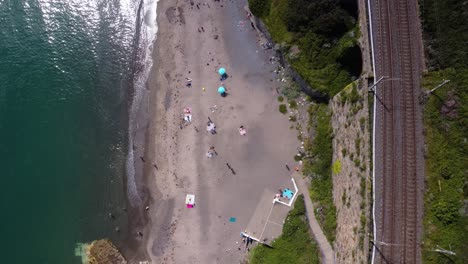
<point x="398" y="203"/>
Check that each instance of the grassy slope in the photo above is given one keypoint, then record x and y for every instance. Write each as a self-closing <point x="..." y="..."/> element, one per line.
<point x="446" y="165"/>
<point x="294" y="245"/>
<point x="317" y="165"/>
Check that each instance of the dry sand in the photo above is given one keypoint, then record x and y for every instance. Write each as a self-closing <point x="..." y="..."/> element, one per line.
<point x="204" y="234"/>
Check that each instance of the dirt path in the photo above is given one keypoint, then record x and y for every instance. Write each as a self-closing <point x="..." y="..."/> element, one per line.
<point x="328" y="256"/>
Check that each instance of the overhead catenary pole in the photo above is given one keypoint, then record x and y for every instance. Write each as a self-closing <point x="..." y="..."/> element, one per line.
<point x="444" y="251"/>
<point x="438" y="86"/>
<point x="383" y="78"/>
<point x="371" y="89"/>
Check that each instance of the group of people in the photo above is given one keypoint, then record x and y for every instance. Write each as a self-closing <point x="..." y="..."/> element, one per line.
<point x="283" y="193"/>
<point x="210" y="125"/>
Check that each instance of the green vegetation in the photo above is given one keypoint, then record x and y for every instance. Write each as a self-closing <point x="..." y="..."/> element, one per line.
<point x="291" y="91"/>
<point x="336" y="168"/>
<point x="295" y="245"/>
<point x="292" y="118"/>
<point x="283" y="109"/>
<point x="446" y="31"/>
<point x="292" y="104"/>
<point x="445" y="121"/>
<point x="362" y="123"/>
<point x="350" y="94"/>
<point x="320" y="36"/>
<point x="280" y="99"/>
<point x="317" y="165"/>
<point x="446" y="216"/>
<point x="357" y="145"/>
<point x="259" y="8"/>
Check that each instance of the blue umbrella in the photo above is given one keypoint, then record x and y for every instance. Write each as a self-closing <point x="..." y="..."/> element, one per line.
<point x="222" y="71"/>
<point x="221" y="90"/>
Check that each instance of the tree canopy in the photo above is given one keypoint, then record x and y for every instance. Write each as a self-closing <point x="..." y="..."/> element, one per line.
<point x="320" y="16"/>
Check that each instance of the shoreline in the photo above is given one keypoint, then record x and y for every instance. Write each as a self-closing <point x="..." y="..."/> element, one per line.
<point x="139" y="118"/>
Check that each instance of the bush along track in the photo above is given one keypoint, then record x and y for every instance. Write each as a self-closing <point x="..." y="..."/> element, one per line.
<point x="446" y="207"/>
<point x="445" y="121"/>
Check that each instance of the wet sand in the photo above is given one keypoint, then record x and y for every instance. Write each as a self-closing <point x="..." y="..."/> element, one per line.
<point x="194" y="41"/>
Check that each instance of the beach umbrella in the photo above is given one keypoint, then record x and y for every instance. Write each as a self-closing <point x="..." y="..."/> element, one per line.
<point x="222" y="71"/>
<point x="221" y="90"/>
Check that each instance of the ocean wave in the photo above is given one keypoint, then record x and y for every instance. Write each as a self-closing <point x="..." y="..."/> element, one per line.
<point x="147" y="35"/>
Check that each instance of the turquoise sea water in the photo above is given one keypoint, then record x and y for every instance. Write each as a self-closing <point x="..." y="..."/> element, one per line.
<point x="66" y="74"/>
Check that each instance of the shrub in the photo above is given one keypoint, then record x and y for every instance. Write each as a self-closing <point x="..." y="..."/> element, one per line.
<point x="259" y="8"/>
<point x="292" y="104"/>
<point x="280" y="99"/>
<point x="357" y="162"/>
<point x="283" y="109"/>
<point x="298" y="157"/>
<point x="336" y="168"/>
<point x="291" y="91"/>
<point x="446" y="211"/>
<point x="357" y="145"/>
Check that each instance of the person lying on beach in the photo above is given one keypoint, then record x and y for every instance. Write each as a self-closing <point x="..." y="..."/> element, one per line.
<point x="188" y="82"/>
<point x="242" y="131"/>
<point x="210" y="127"/>
<point x="188" y="118"/>
<point x="212" y="149"/>
<point x="187" y="114"/>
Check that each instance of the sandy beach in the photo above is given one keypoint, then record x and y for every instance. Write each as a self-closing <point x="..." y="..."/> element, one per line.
<point x="195" y="39"/>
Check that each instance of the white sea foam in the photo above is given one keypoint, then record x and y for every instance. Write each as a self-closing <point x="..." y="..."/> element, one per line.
<point x="148" y="36"/>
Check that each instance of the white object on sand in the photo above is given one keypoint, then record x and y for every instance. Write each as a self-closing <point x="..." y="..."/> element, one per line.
<point x="190" y="200"/>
